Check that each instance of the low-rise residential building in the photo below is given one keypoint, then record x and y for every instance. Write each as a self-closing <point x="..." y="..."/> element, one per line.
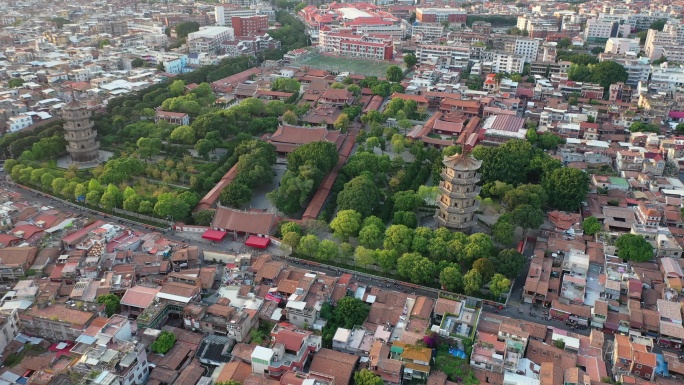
<point x="57" y="322"/>
<point x="177" y="118"/>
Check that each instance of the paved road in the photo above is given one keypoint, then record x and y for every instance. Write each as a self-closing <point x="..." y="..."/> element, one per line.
<point x="510" y="311"/>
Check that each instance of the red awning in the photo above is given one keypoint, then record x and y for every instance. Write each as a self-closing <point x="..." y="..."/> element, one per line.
<point x="214" y="235"/>
<point x="258" y="242"/>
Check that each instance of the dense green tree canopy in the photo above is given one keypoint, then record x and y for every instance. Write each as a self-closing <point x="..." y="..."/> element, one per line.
<point x="503" y="232"/>
<point x="508" y="262"/>
<point x="499" y="285"/>
<point x="527" y="217"/>
<point x="398" y="238"/>
<point x="634" y="247"/>
<point x="111" y="302"/>
<point x="360" y="194"/>
<point x="451" y="278"/>
<point x="185" y="28"/>
<point x="567" y="188"/>
<point x="347" y="223"/>
<point x="472" y="282"/>
<point x="286" y="85"/>
<point x="366" y="377"/>
<point x="163" y="343"/>
<point x="591" y="225"/>
<point x="410" y="60"/>
<point x="394" y="73"/>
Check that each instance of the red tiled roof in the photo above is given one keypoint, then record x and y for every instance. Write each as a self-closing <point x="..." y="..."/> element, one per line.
<point x="250" y="222"/>
<point x="139" y="296"/>
<point x="336" y="364"/>
<point x="291" y="339"/>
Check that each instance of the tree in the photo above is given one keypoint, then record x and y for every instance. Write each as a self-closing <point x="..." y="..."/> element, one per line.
<point x="566" y="187"/>
<point x="183" y="134"/>
<point x="360" y="194"/>
<point x="286" y="85"/>
<point x="235" y="194"/>
<point x="563" y="43"/>
<point x="371" y="237"/>
<point x="185" y="28"/>
<point x="597" y="50"/>
<point x="15" y="82"/>
<point x="171" y="206"/>
<point x="406" y="218"/>
<point x="202" y="217"/>
<point x="634" y="247"/>
<point x="137" y="62"/>
<point x="416" y="268"/>
<point x="508" y="262"/>
<point x="177" y="87"/>
<point x="111" y="302"/>
<point x="456" y="369"/>
<point x="342" y="122"/>
<point x="354" y="89"/>
<point x="485" y="267"/>
<point x="364" y="256"/>
<point x="327" y="250"/>
<point x="373" y="116"/>
<point x="451" y="278"/>
<point x="472" y="282"/>
<point x="527" y="194"/>
<point x="508" y="163"/>
<point x="163" y="343"/>
<point x="503" y="232"/>
<point x="290" y="117"/>
<point x="559" y="343"/>
<point x="203" y="147"/>
<point x="346" y="224"/>
<point x="406" y="201"/>
<point x="527" y="217"/>
<point x="290" y="227"/>
<point x="410" y="60"/>
<point x="591" y="225"/>
<point x="350" y="312"/>
<point x="644" y="127"/>
<point x="474" y="82"/>
<point x="366" y="377"/>
<point x="386" y="259"/>
<point x="679" y="129"/>
<point x="477" y="246"/>
<point x="394" y="73"/>
<point x="499" y="285"/>
<point x="398" y="238"/>
<point x="308" y="245"/>
<point x="292" y="239"/>
<point x="608" y="72"/>
<point x="658" y="24"/>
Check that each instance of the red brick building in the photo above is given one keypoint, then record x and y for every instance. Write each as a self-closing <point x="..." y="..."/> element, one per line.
<point x="438" y="15"/>
<point x="250" y="25"/>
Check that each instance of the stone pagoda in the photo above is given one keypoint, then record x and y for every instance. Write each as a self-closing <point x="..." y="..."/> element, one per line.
<point x="79" y="133"/>
<point x="458" y="190"/>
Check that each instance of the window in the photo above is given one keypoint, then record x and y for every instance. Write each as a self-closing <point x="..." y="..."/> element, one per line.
<point x="638" y="366"/>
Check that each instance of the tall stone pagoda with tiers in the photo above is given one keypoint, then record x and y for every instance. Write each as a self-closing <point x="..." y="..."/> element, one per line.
<point x="458" y="190"/>
<point x="80" y="135"/>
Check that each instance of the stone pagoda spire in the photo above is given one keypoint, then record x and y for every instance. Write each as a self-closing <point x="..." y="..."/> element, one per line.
<point x="458" y="190"/>
<point x="79" y="133"/>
